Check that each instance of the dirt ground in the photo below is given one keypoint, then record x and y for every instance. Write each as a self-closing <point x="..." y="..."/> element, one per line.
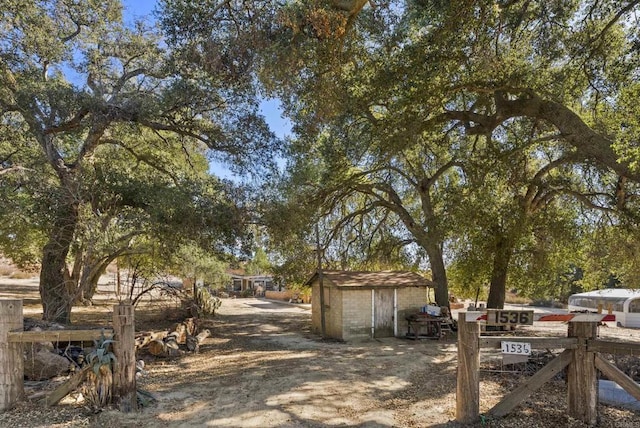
<point x="263" y="368"/>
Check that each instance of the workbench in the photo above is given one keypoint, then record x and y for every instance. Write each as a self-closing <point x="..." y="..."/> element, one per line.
<point x="424" y="326"/>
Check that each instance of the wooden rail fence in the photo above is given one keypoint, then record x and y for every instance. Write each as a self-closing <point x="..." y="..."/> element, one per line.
<point x="12" y="339"/>
<point x="580" y="357"/>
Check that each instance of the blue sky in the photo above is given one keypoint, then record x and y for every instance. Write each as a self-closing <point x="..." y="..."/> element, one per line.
<point x="138" y="8"/>
<point x="135" y="9"/>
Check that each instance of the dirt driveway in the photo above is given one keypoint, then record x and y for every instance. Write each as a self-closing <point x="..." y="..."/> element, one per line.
<point x="263" y="368"/>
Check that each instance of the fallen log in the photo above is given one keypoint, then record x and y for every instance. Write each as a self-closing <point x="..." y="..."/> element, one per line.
<point x="146" y="337"/>
<point x="179" y="333"/>
<point x="157" y="347"/>
<point x="193" y="342"/>
<point x="70" y="385"/>
<point x="171" y="344"/>
<point x="167" y="347"/>
<point x="167" y="344"/>
<point x="188" y="327"/>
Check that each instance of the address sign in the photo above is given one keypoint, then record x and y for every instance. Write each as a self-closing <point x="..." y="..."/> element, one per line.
<point x="504" y="317"/>
<point x="516" y="348"/>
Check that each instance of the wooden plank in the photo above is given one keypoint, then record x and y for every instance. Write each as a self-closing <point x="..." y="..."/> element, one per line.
<point x="582" y="382"/>
<point x="609" y="347"/>
<point x="11" y="358"/>
<point x="468" y="378"/>
<point x="474" y="316"/>
<point x="618" y="376"/>
<point x="508" y="359"/>
<point x="124" y="348"/>
<point x="576" y="317"/>
<point x="536" y="342"/>
<point x="532" y="384"/>
<point x="58" y="335"/>
<point x="70" y="385"/>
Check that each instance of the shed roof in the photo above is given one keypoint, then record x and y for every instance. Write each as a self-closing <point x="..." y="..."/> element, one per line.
<point x="362" y="279"/>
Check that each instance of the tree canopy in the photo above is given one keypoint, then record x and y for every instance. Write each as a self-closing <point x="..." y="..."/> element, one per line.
<point x="117" y="133"/>
<point x="520" y="109"/>
<point x="482" y="141"/>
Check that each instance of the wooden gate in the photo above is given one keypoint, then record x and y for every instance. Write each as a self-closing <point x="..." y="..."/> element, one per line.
<point x="580" y="357"/>
<point x="383" y="312"/>
<point x="12" y="339"/>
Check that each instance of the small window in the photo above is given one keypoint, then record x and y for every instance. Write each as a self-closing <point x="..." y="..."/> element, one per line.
<point x="634" y="306"/>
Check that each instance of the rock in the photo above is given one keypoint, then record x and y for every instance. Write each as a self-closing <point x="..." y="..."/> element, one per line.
<point x="41" y="364"/>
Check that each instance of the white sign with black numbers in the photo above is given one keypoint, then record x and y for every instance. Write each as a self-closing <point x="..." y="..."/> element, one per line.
<point x="516" y="348"/>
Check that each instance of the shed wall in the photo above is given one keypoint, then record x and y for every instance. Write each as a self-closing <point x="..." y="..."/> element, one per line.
<point x="348" y="310"/>
<point x="356" y="310"/>
<point x="333" y="314"/>
<point x="316" y="322"/>
<point x="333" y="310"/>
<point x="315" y="308"/>
<point x="410" y="300"/>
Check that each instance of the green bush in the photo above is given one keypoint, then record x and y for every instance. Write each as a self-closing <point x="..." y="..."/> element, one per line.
<point x="207" y="303"/>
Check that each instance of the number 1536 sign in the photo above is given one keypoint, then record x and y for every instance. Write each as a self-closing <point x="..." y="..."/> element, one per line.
<point x="502" y="317"/>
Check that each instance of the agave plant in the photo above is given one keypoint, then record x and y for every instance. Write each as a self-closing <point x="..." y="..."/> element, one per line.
<point x="100" y="379"/>
<point x="101" y="355"/>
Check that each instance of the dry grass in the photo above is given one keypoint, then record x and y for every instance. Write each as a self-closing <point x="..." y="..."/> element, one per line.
<point x="22" y="275"/>
<point x="6" y="270"/>
<point x="515" y="299"/>
<point x="97" y="388"/>
<point x="10" y="270"/>
<point x="263" y="367"/>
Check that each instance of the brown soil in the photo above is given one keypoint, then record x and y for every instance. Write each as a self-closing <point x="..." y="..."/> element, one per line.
<point x="263" y="368"/>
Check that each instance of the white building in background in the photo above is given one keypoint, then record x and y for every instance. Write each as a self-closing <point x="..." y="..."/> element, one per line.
<point x="624" y="303"/>
<point x="257" y="284"/>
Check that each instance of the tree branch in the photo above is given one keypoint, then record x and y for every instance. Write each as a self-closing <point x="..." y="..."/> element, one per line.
<point x="143" y="159"/>
<point x="69" y="125"/>
<point x="584" y="199"/>
<point x="75" y="33"/>
<point x="615" y="19"/>
<point x="15" y="168"/>
<point x="587" y="142"/>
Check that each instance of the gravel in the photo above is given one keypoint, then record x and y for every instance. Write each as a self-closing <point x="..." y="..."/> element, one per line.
<point x="262" y="367"/>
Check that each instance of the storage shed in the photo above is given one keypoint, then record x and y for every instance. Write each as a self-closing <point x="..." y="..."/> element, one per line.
<point x="360" y="305"/>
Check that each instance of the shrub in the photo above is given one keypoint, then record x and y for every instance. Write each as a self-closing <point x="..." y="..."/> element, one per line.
<point x="207" y="303"/>
<point x="100" y="378"/>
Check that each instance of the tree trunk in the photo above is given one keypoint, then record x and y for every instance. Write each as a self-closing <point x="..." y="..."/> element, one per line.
<point x="88" y="283"/>
<point x="426" y="233"/>
<point x="498" y="286"/>
<point x="56" y="285"/>
<point x="438" y="273"/>
<point x="429" y="241"/>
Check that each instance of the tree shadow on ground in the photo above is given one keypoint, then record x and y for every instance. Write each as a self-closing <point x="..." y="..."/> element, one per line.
<point x="267" y="364"/>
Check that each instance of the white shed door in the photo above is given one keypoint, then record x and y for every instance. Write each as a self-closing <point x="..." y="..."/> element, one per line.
<point x="383" y="313"/>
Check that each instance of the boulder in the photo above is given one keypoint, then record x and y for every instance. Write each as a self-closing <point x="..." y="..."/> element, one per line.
<point x="41" y="363"/>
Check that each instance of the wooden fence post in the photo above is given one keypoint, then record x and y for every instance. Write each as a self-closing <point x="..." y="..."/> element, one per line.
<point x="11" y="358"/>
<point x="468" y="382"/>
<point x="124" y="379"/>
<point x="582" y="383"/>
